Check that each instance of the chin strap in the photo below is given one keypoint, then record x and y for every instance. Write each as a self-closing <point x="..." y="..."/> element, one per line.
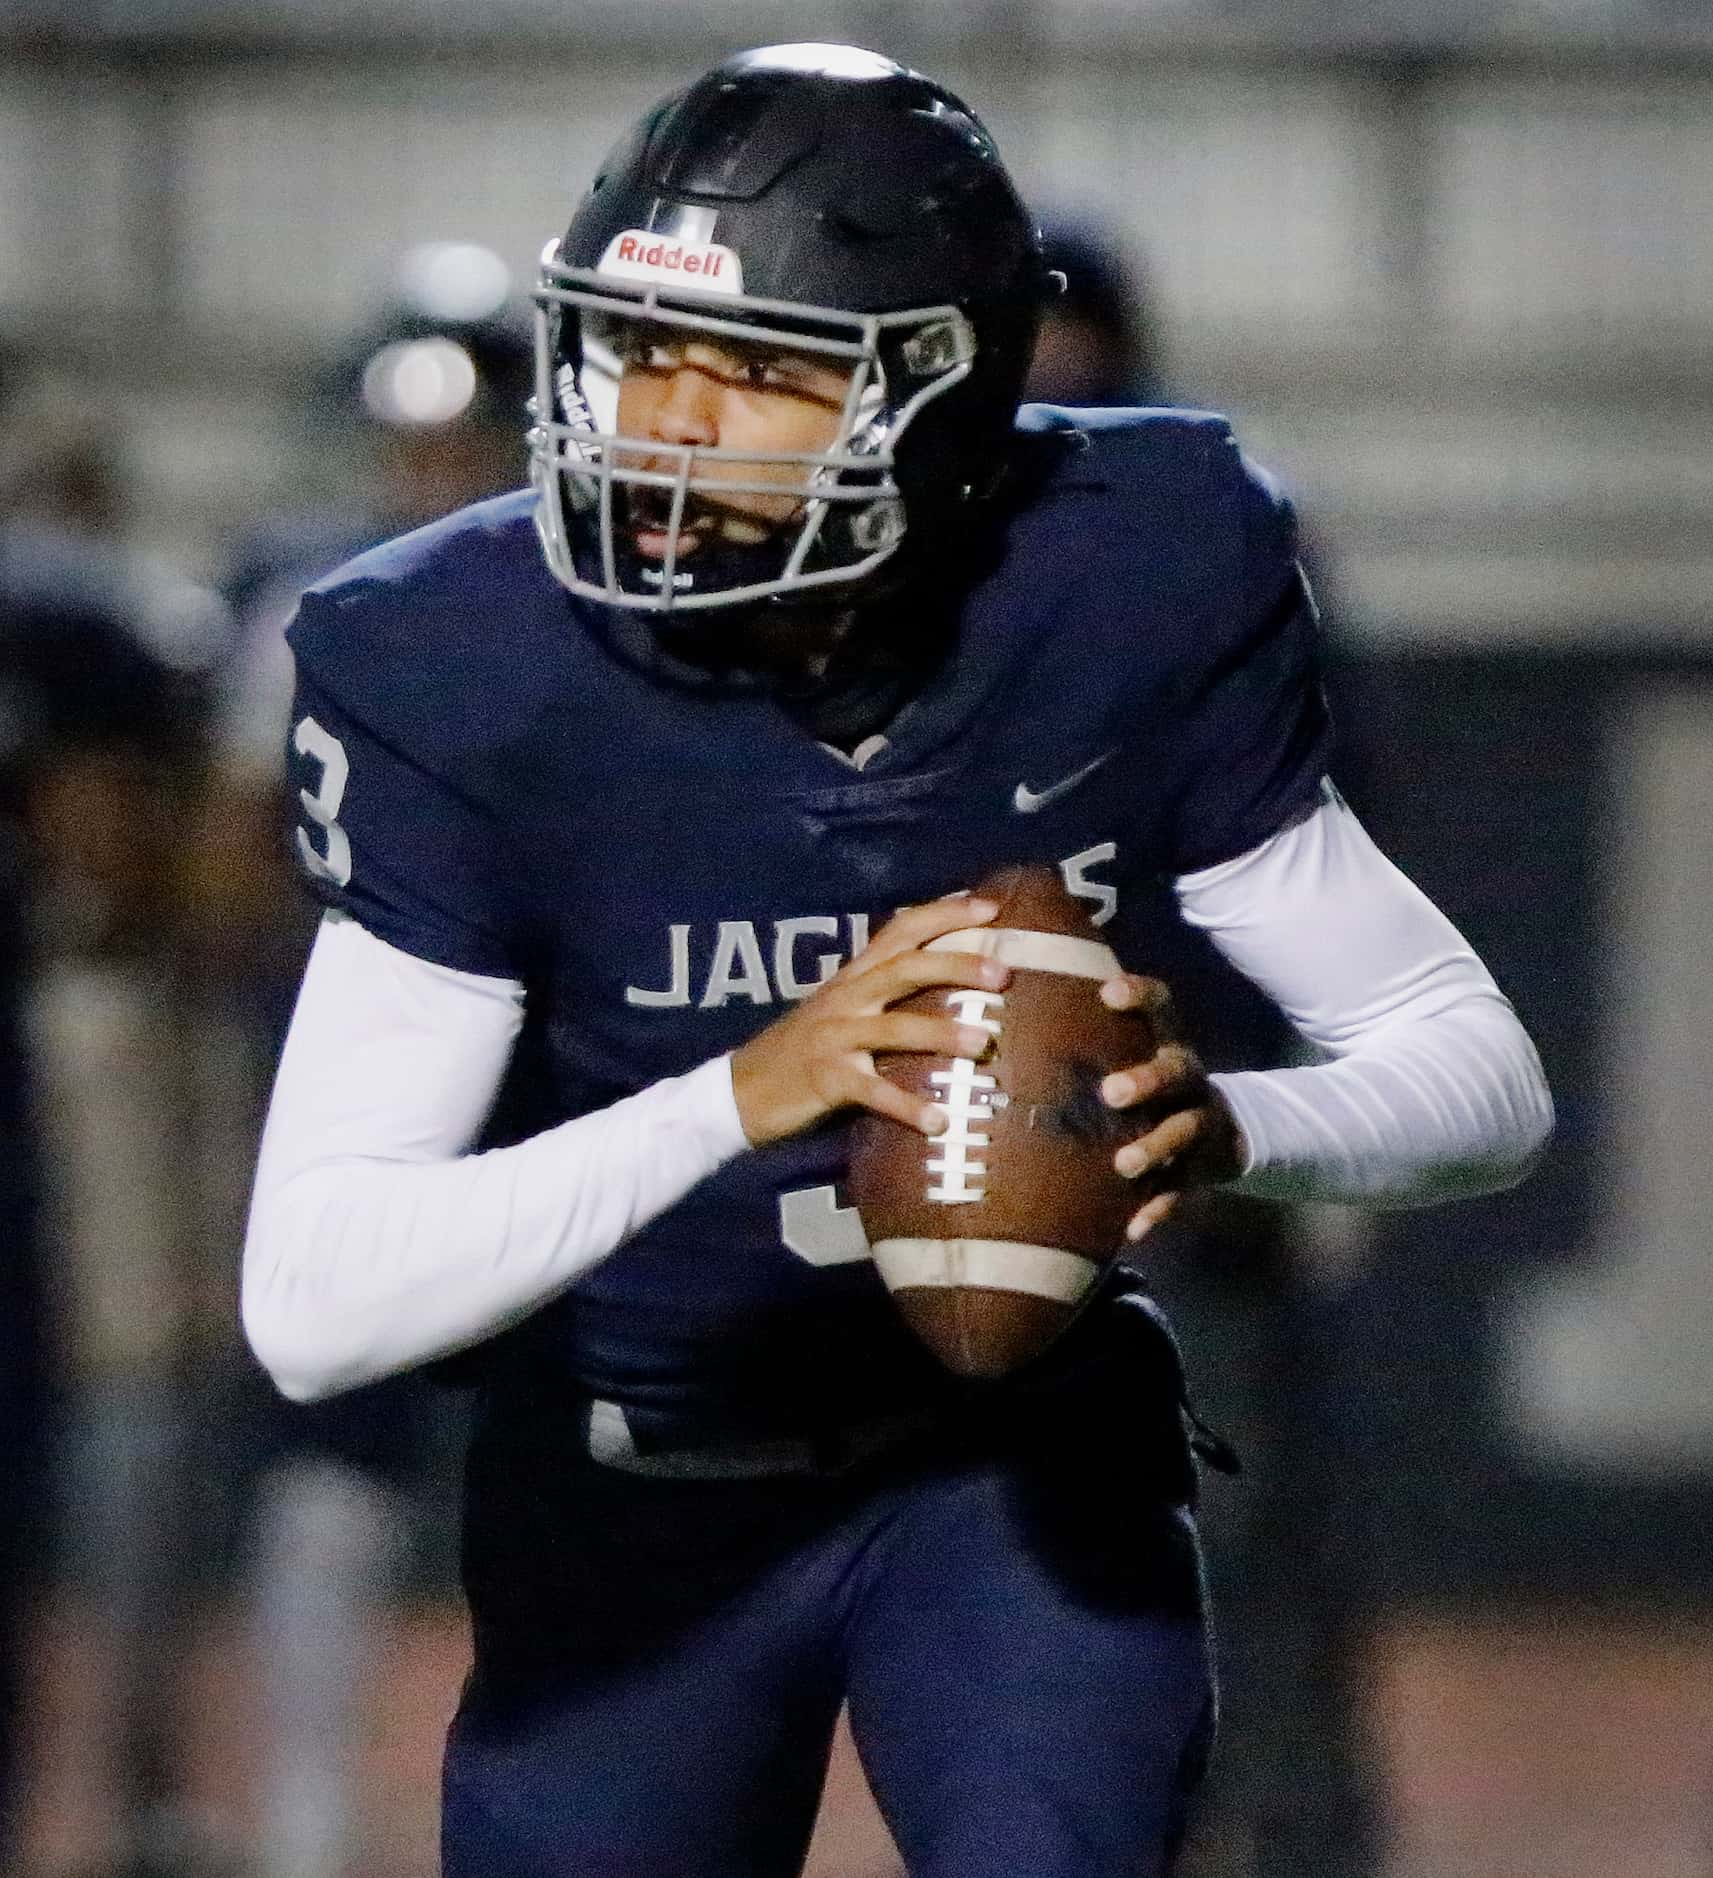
<point x="905" y="627"/>
<point x="894" y="647"/>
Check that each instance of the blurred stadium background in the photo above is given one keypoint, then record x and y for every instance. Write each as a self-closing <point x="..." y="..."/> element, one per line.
<point x="1450" y="266"/>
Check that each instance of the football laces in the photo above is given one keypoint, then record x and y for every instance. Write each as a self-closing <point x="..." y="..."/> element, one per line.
<point x="969" y="1097"/>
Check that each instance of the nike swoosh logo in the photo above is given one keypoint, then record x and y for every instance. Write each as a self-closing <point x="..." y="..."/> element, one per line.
<point x="1029" y="801"/>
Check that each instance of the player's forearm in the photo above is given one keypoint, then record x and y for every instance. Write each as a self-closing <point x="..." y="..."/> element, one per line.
<point x="1435" y="1091"/>
<point x="374" y="1242"/>
<point x="357" y="1268"/>
<point x="1436" y="1110"/>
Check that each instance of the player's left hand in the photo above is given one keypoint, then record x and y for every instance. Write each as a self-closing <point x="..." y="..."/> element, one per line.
<point x="1191" y="1138"/>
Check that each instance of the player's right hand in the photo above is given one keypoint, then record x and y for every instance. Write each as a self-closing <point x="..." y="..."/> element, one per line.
<point x="819" y="1058"/>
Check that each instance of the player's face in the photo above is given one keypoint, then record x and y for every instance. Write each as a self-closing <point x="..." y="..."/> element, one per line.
<point x="685" y="388"/>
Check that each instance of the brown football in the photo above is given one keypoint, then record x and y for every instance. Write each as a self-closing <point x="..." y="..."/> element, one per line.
<point x="991" y="1235"/>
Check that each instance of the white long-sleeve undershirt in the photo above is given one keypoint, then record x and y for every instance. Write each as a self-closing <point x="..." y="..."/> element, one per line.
<point x="377" y="1241"/>
<point x="1433" y="1091"/>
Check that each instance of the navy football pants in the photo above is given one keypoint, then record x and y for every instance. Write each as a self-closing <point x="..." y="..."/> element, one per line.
<point x="660" y="1664"/>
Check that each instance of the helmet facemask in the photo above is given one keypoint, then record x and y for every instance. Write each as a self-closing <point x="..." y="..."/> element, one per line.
<point x="842" y="512"/>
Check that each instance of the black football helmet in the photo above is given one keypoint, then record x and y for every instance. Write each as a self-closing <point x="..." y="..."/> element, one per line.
<point x="828" y="201"/>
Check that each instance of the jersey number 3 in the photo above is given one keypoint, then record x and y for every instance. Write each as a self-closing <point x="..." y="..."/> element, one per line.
<point x="332" y="860"/>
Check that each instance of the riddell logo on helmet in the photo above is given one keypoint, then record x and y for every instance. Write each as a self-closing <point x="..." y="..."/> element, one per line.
<point x="638" y="255"/>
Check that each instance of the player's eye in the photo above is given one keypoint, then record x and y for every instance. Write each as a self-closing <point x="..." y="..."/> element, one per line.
<point x="793" y="377"/>
<point x="634" y="347"/>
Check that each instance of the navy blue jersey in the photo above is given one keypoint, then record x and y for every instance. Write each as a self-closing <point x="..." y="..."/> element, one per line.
<point x="486" y="784"/>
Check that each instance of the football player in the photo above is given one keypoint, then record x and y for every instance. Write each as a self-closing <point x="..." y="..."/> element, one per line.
<point x="612" y="791"/>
